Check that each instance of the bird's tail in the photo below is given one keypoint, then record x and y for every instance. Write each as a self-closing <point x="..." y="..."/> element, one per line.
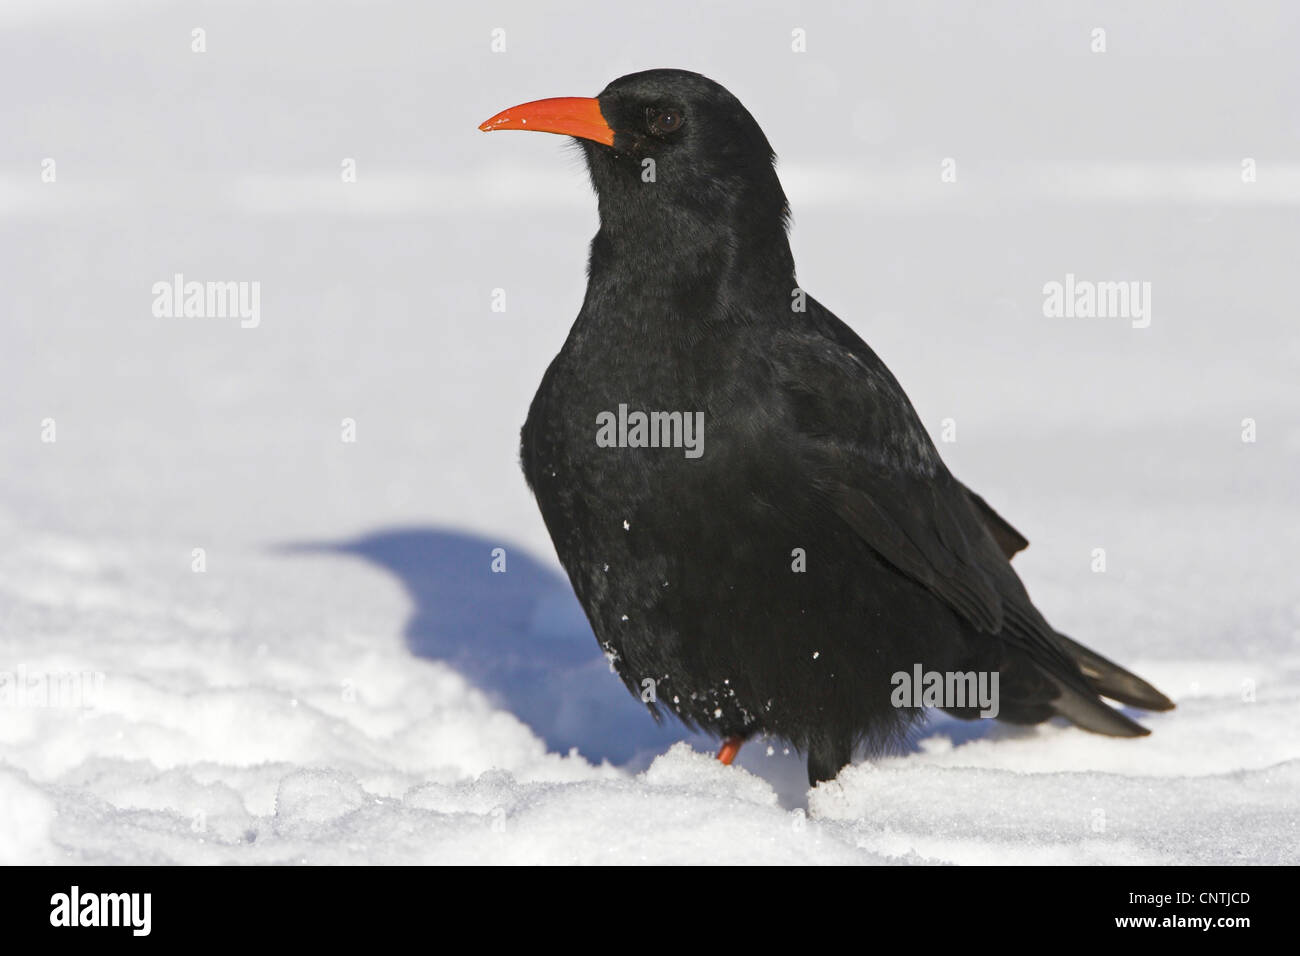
<point x="1105" y="679"/>
<point x="1091" y="713"/>
<point x="1110" y="680"/>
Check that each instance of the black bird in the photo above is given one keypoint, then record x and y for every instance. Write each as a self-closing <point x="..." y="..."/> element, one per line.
<point x="772" y="578"/>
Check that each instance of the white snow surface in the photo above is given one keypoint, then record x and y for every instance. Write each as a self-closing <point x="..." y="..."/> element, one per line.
<point x="347" y="681"/>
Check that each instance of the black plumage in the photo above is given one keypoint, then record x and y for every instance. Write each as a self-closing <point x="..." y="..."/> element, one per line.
<point x="687" y="566"/>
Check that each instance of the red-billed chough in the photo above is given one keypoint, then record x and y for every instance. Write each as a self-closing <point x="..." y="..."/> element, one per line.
<point x="759" y="528"/>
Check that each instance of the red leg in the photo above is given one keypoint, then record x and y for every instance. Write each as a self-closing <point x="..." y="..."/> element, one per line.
<point x="730" y="747"/>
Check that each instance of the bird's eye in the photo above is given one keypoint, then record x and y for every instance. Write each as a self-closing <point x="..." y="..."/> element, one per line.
<point x="665" y="121"/>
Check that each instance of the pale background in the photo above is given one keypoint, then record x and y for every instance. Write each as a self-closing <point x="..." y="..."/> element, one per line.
<point x="349" y="682"/>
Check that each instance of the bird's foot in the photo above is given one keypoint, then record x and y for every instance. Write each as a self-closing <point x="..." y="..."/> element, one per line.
<point x="730" y="747"/>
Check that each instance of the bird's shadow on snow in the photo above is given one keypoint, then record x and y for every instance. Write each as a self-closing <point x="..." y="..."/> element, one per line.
<point x="954" y="732"/>
<point x="520" y="636"/>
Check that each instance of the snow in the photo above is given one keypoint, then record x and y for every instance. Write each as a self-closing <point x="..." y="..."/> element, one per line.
<point x="347" y="680"/>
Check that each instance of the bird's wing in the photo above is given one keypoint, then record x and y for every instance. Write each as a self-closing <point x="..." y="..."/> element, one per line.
<point x="1008" y="538"/>
<point x="866" y="454"/>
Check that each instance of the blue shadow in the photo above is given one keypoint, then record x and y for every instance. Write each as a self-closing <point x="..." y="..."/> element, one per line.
<point x="519" y="635"/>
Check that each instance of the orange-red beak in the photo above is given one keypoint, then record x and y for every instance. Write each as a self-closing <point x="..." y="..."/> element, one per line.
<point x="569" y="115"/>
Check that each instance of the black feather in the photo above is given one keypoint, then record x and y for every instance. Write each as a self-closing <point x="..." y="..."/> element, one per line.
<point x="685" y="566"/>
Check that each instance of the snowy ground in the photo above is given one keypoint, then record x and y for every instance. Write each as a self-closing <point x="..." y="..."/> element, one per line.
<point x="347" y="680"/>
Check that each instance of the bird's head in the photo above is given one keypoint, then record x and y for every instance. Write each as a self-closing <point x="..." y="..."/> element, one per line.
<point x="667" y="149"/>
